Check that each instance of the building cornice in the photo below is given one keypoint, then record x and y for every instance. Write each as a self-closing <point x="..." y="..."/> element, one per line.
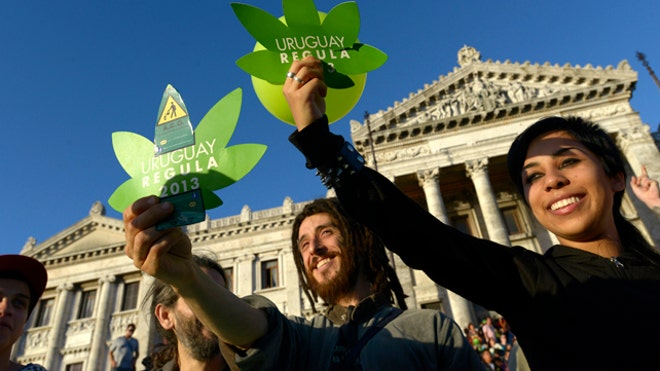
<point x="268" y="220"/>
<point x="483" y="92"/>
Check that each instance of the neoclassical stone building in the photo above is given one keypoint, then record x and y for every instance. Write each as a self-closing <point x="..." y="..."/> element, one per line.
<point x="444" y="146"/>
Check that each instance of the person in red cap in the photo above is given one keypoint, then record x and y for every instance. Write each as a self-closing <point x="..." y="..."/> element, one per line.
<point x="22" y="281"/>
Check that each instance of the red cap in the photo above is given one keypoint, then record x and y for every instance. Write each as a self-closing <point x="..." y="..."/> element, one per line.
<point x="26" y="269"/>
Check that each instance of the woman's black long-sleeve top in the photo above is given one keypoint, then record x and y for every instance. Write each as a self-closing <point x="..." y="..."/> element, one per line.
<point x="569" y="309"/>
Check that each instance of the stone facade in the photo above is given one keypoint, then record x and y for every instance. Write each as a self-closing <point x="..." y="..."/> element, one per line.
<point x="444" y="146"/>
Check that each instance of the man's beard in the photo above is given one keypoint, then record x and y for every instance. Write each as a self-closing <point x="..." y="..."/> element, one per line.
<point x="189" y="333"/>
<point x="340" y="285"/>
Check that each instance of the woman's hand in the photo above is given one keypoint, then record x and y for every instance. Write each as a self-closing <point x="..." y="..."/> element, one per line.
<point x="305" y="91"/>
<point x="646" y="189"/>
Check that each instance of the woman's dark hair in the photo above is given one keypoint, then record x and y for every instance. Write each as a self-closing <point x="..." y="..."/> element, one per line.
<point x="162" y="293"/>
<point x="359" y="241"/>
<point x="604" y="148"/>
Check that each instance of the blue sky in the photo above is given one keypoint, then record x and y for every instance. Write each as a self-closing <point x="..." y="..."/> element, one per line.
<point x="73" y="72"/>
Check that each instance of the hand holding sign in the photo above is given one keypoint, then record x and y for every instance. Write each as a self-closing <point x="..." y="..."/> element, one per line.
<point x="183" y="163"/>
<point x="305" y="31"/>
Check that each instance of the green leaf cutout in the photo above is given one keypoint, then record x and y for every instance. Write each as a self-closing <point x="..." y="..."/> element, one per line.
<point x="333" y="39"/>
<point x="208" y="164"/>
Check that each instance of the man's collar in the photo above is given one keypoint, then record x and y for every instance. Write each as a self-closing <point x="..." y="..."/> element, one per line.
<point x="364" y="311"/>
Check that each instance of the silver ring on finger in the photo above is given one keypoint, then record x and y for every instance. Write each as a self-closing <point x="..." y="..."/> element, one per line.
<point x="300" y="81"/>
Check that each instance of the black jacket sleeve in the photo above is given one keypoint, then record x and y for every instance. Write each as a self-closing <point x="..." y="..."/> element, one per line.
<point x="448" y="256"/>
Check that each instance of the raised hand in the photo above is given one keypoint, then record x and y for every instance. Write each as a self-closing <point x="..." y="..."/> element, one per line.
<point x="305" y="91"/>
<point x="646" y="189"/>
<point x="164" y="254"/>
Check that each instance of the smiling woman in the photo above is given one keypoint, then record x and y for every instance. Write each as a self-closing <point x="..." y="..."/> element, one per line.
<point x="570" y="194"/>
<point x="572" y="176"/>
<point x="586" y="164"/>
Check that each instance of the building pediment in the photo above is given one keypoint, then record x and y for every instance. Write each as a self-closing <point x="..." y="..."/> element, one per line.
<point x="93" y="237"/>
<point x="479" y="92"/>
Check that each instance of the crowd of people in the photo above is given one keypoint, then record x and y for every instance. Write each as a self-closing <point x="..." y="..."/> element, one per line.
<point x="568" y="171"/>
<point x="493" y="340"/>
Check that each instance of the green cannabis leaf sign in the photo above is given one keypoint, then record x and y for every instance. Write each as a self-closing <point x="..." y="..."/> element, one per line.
<point x="208" y="164"/>
<point x="303" y="31"/>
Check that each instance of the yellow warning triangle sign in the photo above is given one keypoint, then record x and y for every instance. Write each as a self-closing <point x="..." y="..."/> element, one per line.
<point x="171" y="111"/>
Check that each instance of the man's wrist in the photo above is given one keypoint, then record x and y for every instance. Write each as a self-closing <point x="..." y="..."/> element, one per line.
<point x="188" y="285"/>
<point x="348" y="163"/>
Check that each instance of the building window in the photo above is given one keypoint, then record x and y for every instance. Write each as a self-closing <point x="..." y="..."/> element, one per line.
<point x="463" y="223"/>
<point x="44" y="312"/>
<point x="74" y="367"/>
<point x="130" y="296"/>
<point x="86" y="309"/>
<point x="513" y="220"/>
<point x="269" y="274"/>
<point x="435" y="305"/>
<point x="229" y="272"/>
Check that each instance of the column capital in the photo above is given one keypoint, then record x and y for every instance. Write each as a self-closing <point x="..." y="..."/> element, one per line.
<point x="473" y="167"/>
<point x="65" y="287"/>
<point x="428" y="175"/>
<point x="109" y="278"/>
<point x="247" y="257"/>
<point x="632" y="134"/>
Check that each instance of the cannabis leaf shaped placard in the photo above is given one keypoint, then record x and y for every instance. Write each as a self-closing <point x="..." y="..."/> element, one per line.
<point x="333" y="40"/>
<point x="208" y="164"/>
<point x="303" y="31"/>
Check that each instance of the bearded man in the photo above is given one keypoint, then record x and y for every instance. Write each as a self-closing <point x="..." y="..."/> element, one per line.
<point x="340" y="262"/>
<point x="188" y="344"/>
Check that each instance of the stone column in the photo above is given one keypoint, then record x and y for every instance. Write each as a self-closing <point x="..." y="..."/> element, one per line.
<point x="390" y="254"/>
<point x="297" y="300"/>
<point x="477" y="170"/>
<point x="146" y="330"/>
<point x="406" y="277"/>
<point x="244" y="274"/>
<point x="60" y="319"/>
<point x="98" y="351"/>
<point x="461" y="309"/>
<point x="638" y="147"/>
<point x="429" y="181"/>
